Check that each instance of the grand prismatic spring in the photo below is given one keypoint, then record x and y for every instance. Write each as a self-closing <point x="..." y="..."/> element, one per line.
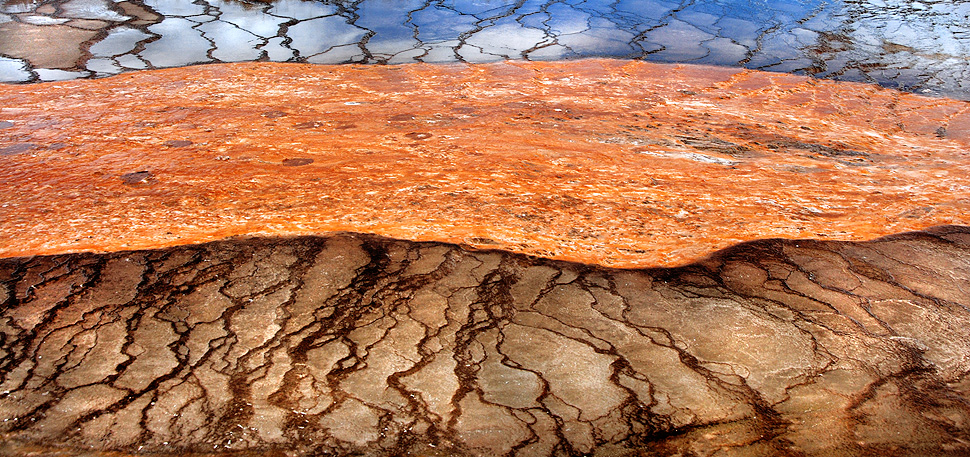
<point x="476" y="228"/>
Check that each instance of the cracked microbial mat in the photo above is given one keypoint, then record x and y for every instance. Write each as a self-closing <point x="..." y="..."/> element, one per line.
<point x="359" y="345"/>
<point x="915" y="46"/>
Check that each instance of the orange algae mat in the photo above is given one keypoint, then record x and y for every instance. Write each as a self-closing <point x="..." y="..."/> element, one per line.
<point x="624" y="164"/>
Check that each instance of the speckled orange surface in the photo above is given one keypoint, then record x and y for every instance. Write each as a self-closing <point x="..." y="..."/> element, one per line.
<point x="625" y="164"/>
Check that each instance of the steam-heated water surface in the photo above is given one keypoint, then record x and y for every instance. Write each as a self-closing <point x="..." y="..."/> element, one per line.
<point x="916" y="46"/>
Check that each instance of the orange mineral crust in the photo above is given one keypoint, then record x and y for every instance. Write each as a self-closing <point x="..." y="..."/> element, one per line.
<point x="625" y="164"/>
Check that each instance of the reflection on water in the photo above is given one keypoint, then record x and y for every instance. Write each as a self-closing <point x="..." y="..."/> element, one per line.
<point x="920" y="46"/>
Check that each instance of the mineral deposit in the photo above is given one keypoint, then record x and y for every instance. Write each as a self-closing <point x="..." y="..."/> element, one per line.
<point x="616" y="163"/>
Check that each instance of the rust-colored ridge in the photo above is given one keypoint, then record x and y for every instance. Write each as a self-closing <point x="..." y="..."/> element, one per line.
<point x="626" y="164"/>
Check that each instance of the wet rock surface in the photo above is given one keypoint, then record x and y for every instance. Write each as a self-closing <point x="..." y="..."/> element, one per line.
<point x="916" y="46"/>
<point x="359" y="344"/>
<point x="611" y="162"/>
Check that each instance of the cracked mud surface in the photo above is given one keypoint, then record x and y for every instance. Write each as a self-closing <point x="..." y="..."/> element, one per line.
<point x="916" y="46"/>
<point x="355" y="343"/>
